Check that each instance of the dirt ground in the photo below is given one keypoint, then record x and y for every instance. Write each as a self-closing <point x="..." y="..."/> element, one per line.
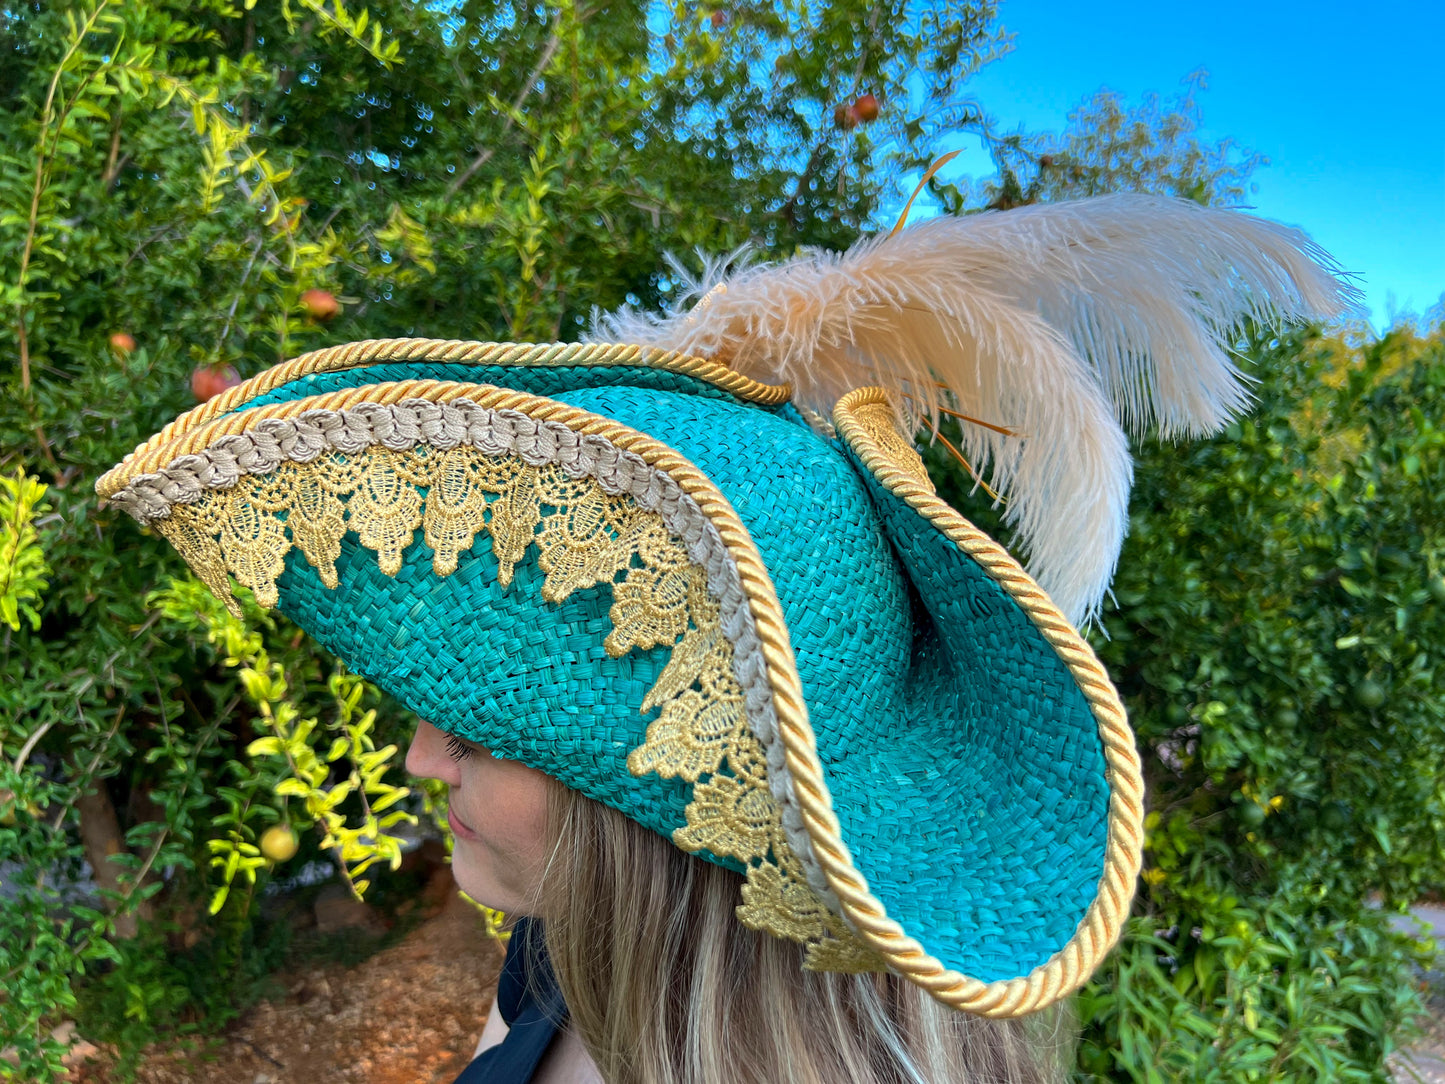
<point x="411" y="1014"/>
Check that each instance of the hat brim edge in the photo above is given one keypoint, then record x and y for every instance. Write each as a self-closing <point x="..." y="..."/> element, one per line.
<point x="864" y="419"/>
<point x="369" y="352"/>
<point x="1097" y="932"/>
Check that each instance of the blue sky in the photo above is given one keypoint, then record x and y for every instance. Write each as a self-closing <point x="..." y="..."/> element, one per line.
<point x="1346" y="100"/>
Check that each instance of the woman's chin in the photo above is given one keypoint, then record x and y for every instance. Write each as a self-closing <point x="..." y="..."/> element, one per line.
<point x="479" y="884"/>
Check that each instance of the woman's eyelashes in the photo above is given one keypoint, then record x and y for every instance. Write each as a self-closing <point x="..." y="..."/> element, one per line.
<point x="457" y="749"/>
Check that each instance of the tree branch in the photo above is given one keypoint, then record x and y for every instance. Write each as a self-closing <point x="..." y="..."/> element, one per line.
<point x="113" y="162"/>
<point x="36" y="190"/>
<point x="554" y="40"/>
<point x="789" y="210"/>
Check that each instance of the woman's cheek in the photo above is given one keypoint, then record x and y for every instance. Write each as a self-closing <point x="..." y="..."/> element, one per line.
<point x="505" y="804"/>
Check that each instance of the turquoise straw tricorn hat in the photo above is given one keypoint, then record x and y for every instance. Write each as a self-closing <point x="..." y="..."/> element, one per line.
<point x="688" y="595"/>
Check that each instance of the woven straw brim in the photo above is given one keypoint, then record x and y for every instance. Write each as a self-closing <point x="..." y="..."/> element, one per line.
<point x="723" y="429"/>
<point x="931" y="537"/>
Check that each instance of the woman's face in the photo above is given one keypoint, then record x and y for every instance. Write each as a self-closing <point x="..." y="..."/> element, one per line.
<point x="498" y="814"/>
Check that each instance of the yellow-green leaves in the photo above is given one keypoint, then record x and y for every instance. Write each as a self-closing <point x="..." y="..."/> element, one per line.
<point x="23" y="570"/>
<point x="336" y="17"/>
<point x="405" y="238"/>
<point x="332" y="770"/>
<point x="236" y="857"/>
<point x="358" y="841"/>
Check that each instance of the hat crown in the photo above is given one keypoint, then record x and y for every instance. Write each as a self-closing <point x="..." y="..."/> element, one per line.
<point x="683" y="601"/>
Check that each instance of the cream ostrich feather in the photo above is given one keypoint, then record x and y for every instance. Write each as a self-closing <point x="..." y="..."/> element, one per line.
<point x="1061" y="322"/>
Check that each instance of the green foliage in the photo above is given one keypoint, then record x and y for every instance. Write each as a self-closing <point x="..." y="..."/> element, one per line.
<point x="298" y="768"/>
<point x="1275" y="638"/>
<point x="1107" y="147"/>
<point x="1151" y="147"/>
<point x="1277" y="642"/>
<point x="1280" y="993"/>
<point x="164" y="982"/>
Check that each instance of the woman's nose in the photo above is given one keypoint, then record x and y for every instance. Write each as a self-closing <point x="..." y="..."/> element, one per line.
<point x="428" y="757"/>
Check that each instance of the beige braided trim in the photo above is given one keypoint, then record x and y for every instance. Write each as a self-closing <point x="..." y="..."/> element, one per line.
<point x="774" y="653"/>
<point x="1099" y="930"/>
<point x="464" y="352"/>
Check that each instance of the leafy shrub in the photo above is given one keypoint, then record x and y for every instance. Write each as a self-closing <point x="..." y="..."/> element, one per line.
<point x="1278" y="609"/>
<point x="1277" y="641"/>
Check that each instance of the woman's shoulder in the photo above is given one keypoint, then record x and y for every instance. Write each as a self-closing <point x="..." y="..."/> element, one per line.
<point x="567" y="1062"/>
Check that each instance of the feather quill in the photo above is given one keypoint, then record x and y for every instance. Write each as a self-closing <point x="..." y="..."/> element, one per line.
<point x="1064" y="322"/>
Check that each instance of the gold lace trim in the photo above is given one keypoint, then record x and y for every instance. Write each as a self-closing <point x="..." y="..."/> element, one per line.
<point x="584" y="537"/>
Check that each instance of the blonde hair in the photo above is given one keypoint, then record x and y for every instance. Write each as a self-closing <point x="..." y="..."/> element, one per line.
<point x="665" y="986"/>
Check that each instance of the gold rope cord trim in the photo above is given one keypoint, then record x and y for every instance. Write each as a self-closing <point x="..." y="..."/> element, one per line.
<point x="864" y="418"/>
<point x="1055" y="979"/>
<point x="700" y="735"/>
<point x="464" y="352"/>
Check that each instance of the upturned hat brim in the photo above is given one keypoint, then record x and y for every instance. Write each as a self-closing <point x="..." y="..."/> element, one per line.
<point x="782" y="650"/>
